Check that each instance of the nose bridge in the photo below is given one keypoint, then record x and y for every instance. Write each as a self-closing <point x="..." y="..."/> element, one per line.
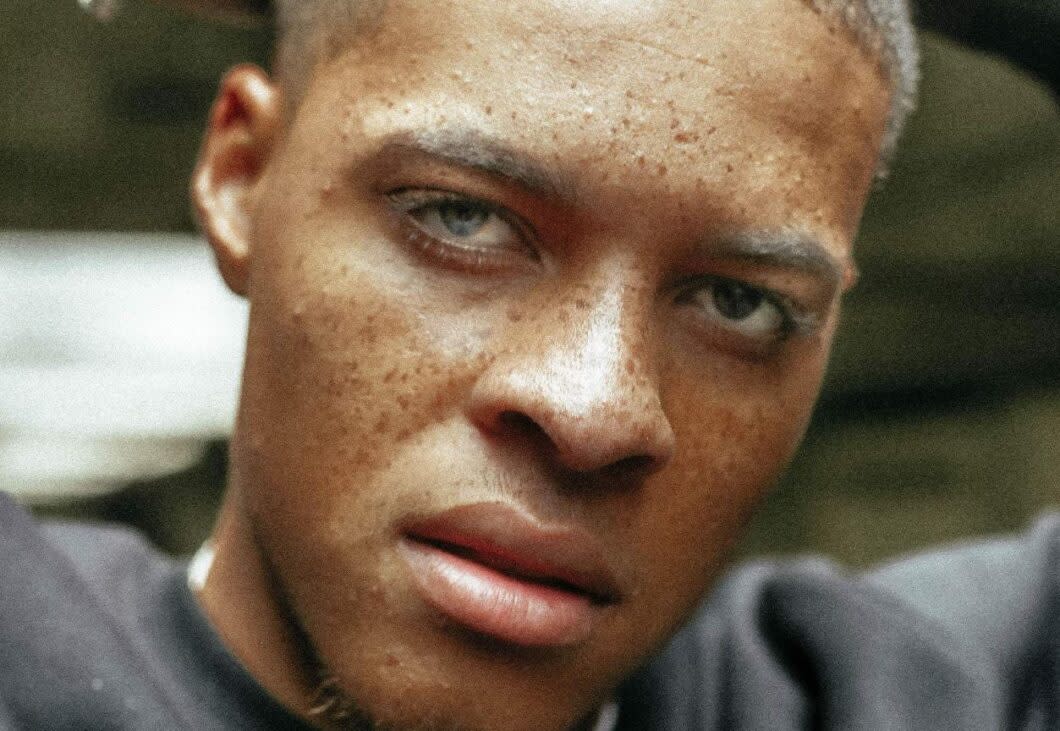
<point x="581" y="371"/>
<point x="594" y="354"/>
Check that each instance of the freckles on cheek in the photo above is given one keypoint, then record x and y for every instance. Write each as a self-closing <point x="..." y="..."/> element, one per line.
<point x="744" y="449"/>
<point x="352" y="374"/>
<point x="726" y="460"/>
<point x="734" y="439"/>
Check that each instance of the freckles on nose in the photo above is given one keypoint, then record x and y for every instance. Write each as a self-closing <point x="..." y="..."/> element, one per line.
<point x="582" y="382"/>
<point x="595" y="371"/>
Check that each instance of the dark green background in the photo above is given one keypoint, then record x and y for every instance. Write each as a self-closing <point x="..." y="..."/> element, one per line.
<point x="941" y="414"/>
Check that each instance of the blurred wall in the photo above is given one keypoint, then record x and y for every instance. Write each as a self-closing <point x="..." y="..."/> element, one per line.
<point x="941" y="414"/>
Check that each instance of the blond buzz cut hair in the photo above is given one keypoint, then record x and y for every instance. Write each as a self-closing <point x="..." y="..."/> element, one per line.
<point x="882" y="28"/>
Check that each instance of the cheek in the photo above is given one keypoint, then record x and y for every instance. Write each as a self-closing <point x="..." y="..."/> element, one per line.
<point x="736" y="432"/>
<point x="341" y="373"/>
<point x="739" y="427"/>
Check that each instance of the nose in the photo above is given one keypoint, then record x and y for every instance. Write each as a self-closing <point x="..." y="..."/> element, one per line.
<point x="579" y="380"/>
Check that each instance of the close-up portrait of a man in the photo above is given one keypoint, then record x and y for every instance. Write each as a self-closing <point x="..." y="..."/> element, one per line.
<point x="541" y="300"/>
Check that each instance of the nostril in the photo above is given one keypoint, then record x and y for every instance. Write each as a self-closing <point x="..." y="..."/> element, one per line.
<point x="579" y="451"/>
<point x="633" y="466"/>
<point x="523" y="428"/>
<point x="515" y="423"/>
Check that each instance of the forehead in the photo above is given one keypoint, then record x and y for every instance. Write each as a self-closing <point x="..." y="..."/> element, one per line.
<point x="707" y="94"/>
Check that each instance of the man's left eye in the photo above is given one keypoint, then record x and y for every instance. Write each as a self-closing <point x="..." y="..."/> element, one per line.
<point x="739" y="308"/>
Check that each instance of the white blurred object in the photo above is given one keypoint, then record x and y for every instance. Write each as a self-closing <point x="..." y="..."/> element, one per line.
<point x="120" y="357"/>
<point x="100" y="9"/>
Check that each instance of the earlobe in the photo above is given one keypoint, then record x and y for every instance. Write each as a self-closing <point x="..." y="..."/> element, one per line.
<point x="244" y="124"/>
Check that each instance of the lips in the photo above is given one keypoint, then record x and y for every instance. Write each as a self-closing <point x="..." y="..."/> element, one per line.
<point x="492" y="569"/>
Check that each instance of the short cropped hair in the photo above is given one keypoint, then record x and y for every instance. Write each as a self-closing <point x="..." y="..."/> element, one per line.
<point x="883" y="28"/>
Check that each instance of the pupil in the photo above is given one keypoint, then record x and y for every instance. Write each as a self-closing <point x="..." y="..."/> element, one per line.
<point x="735" y="301"/>
<point x="462" y="219"/>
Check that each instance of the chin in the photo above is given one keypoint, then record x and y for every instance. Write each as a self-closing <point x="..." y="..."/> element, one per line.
<point x="441" y="678"/>
<point x="413" y="709"/>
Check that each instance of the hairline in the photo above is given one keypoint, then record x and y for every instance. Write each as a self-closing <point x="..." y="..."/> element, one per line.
<point x="883" y="29"/>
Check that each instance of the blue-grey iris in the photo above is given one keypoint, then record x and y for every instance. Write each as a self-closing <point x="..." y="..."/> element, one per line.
<point x="462" y="218"/>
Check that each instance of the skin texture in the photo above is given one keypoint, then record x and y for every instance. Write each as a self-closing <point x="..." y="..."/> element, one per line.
<point x="576" y="369"/>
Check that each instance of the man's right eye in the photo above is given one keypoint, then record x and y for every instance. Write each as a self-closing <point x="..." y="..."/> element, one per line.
<point x="466" y="222"/>
<point x="463" y="231"/>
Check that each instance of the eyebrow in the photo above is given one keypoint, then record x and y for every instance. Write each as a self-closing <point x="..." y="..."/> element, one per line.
<point x="476" y="150"/>
<point x="789" y="249"/>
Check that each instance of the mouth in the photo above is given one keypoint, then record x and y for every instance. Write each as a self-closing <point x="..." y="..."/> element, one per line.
<point x="497" y="572"/>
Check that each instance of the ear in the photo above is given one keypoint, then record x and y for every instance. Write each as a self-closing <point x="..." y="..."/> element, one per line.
<point x="244" y="125"/>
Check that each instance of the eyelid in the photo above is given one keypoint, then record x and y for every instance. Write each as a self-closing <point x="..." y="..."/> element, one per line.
<point x="407" y="200"/>
<point x="796" y="319"/>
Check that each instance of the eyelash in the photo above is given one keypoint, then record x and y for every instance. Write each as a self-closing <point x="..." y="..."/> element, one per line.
<point x="464" y="258"/>
<point x="795" y="320"/>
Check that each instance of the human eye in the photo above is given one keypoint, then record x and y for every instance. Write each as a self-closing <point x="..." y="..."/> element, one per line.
<point x="756" y="316"/>
<point x="461" y="231"/>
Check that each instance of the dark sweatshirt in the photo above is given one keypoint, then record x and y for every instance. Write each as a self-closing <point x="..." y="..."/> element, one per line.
<point x="98" y="631"/>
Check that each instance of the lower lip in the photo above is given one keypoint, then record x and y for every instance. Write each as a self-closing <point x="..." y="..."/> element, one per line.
<point x="492" y="603"/>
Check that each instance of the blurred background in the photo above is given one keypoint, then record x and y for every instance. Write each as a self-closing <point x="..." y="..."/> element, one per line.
<point x="120" y="348"/>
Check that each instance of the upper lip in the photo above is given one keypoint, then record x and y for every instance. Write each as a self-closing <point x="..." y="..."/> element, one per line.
<point x="508" y="540"/>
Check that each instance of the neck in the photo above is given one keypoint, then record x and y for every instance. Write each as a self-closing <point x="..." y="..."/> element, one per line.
<point x="241" y="601"/>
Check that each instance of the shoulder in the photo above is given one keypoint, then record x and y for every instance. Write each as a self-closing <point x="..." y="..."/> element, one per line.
<point x="966" y="637"/>
<point x="99" y="563"/>
<point x="988" y="592"/>
<point x="74" y="601"/>
<point x="73" y="541"/>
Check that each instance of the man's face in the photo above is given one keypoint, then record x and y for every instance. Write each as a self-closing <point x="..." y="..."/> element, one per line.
<point x="542" y="295"/>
